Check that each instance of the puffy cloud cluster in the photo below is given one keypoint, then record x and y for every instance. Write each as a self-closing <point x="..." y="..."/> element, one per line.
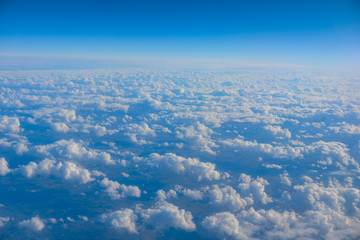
<point x="278" y="131"/>
<point x="166" y="215"/>
<point x="199" y="136"/>
<point x="275" y="151"/>
<point x="112" y="188"/>
<point x="9" y="124"/>
<point x="69" y="149"/>
<point x="124" y="220"/>
<point x="181" y="165"/>
<point x="277" y="128"/>
<point x="66" y="170"/>
<point x="254" y="188"/>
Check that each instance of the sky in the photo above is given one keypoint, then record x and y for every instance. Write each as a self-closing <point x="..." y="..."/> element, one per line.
<point x="310" y="33"/>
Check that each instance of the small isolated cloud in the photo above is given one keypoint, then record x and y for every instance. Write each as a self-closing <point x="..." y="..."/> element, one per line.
<point x="34" y="224"/>
<point x="4" y="220"/>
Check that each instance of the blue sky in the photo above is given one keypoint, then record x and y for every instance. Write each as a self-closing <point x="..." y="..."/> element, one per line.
<point x="314" y="33"/>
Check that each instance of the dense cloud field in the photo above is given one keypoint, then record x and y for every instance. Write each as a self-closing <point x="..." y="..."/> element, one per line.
<point x="191" y="154"/>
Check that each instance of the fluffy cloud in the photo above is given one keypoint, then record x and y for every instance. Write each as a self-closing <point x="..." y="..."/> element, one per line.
<point x="66" y="170"/>
<point x="228" y="197"/>
<point x="225" y="225"/>
<point x="254" y="188"/>
<point x="275" y="151"/>
<point x="199" y="136"/>
<point x="9" y="124"/>
<point x="74" y="151"/>
<point x="166" y="215"/>
<point x="278" y="131"/>
<point x="112" y="188"/>
<point x="124" y="220"/>
<point x="181" y="165"/>
<point x="4" y="167"/>
<point x="34" y="224"/>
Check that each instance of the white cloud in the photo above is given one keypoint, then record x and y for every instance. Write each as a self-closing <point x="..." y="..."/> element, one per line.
<point x="75" y="151"/>
<point x="9" y="124"/>
<point x="275" y="151"/>
<point x="66" y="170"/>
<point x="112" y="188"/>
<point x="278" y="131"/>
<point x="285" y="179"/>
<point x="225" y="225"/>
<point x="254" y="188"/>
<point x="181" y="165"/>
<point x="4" y="167"/>
<point x="61" y="127"/>
<point x="199" y="136"/>
<point x="124" y="219"/>
<point x="34" y="224"/>
<point x="228" y="198"/>
<point x="166" y="215"/>
<point x="4" y="220"/>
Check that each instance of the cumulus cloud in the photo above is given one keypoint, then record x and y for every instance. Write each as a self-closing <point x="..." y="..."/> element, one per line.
<point x="199" y="136"/>
<point x="9" y="124"/>
<point x="278" y="131"/>
<point x="225" y="225"/>
<point x="166" y="215"/>
<point x="4" y="167"/>
<point x="254" y="188"/>
<point x="35" y="224"/>
<point x="275" y="151"/>
<point x="112" y="188"/>
<point x="228" y="198"/>
<point x="73" y="150"/>
<point x="124" y="220"/>
<point x="66" y="170"/>
<point x="181" y="165"/>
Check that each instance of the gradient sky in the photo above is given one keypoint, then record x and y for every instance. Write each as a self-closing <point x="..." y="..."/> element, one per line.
<point x="313" y="33"/>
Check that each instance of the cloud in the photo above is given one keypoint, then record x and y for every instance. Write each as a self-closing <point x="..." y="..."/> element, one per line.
<point x="66" y="170"/>
<point x="199" y="136"/>
<point x="75" y="151"/>
<point x="166" y="215"/>
<point x="228" y="198"/>
<point x="254" y="188"/>
<point x="225" y="225"/>
<point x="34" y="224"/>
<point x="112" y="188"/>
<point x="278" y="132"/>
<point x="4" y="167"/>
<point x="4" y="220"/>
<point x="9" y="124"/>
<point x="124" y="220"/>
<point x="277" y="151"/>
<point x="181" y="165"/>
